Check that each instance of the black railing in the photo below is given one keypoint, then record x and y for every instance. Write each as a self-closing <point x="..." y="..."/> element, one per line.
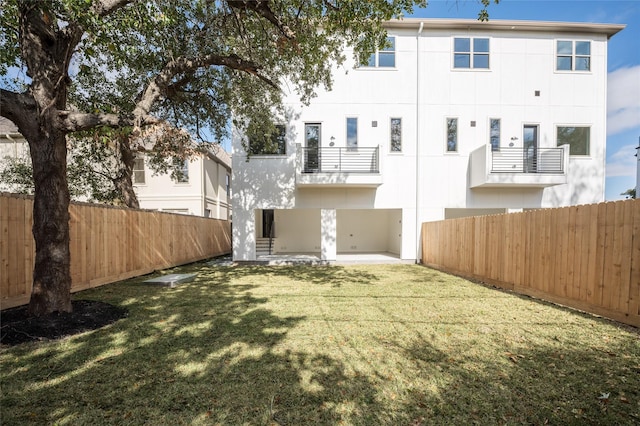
<point x="346" y="160"/>
<point x="528" y="160"/>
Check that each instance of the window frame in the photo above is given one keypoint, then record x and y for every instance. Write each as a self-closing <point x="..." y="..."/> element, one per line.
<point x="573" y="56"/>
<point x="471" y="53"/>
<point x="135" y="171"/>
<point x="183" y="179"/>
<point x="385" y="51"/>
<point x="391" y="135"/>
<point x="350" y="146"/>
<point x="281" y="132"/>
<point x="576" y="126"/>
<point x="457" y="135"/>
<point x="495" y="148"/>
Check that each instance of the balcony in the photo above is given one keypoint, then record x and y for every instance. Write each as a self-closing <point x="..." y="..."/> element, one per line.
<point x="517" y="167"/>
<point x="338" y="166"/>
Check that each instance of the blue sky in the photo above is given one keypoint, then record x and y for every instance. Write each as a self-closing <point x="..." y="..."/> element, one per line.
<point x="623" y="109"/>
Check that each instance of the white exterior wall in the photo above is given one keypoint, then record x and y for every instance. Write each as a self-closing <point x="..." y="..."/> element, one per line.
<point x="424" y="90"/>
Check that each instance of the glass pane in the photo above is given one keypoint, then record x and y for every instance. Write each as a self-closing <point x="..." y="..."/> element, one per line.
<point x="576" y="137"/>
<point x="396" y="134"/>
<point x="583" y="63"/>
<point x="481" y="61"/>
<point x="461" y="61"/>
<point x="565" y="48"/>
<point x="583" y="48"/>
<point x="461" y="45"/>
<point x="352" y="132"/>
<point x="481" y="45"/>
<point x="494" y="134"/>
<point x="563" y="63"/>
<point x="452" y="134"/>
<point x="372" y="61"/>
<point x="391" y="44"/>
<point x="387" y="59"/>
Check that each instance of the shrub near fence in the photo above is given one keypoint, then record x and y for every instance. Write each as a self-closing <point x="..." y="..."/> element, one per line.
<point x="586" y="257"/>
<point x="107" y="244"/>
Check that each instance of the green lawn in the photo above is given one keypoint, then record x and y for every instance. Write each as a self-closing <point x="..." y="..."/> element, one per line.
<point x="366" y="345"/>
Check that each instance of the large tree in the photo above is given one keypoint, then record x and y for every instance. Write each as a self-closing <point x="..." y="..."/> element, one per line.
<point x="88" y="64"/>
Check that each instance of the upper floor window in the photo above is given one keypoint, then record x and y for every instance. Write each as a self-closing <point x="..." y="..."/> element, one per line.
<point x="396" y="135"/>
<point x="228" y="184"/>
<point x="180" y="170"/>
<point x="386" y="57"/>
<point x="269" y="144"/>
<point x="577" y="137"/>
<point x="494" y="133"/>
<point x="573" y="55"/>
<point x="352" y="132"/>
<point x="138" y="171"/>
<point x="471" y="52"/>
<point x="452" y="134"/>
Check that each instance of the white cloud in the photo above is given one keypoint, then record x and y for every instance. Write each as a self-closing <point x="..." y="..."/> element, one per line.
<point x="623" y="100"/>
<point x="622" y="162"/>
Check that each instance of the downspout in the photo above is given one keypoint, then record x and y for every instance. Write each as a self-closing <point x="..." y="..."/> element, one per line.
<point x="204" y="184"/>
<point x="15" y="145"/>
<point x="418" y="242"/>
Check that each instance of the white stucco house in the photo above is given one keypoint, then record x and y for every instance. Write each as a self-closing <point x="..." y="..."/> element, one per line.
<point x="453" y="118"/>
<point x="204" y="188"/>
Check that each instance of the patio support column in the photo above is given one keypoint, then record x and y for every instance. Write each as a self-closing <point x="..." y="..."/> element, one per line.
<point x="328" y="242"/>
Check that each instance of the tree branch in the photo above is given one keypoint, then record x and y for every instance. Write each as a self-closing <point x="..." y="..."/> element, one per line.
<point x="106" y="7"/>
<point x="14" y="106"/>
<point x="159" y="86"/>
<point x="261" y="7"/>
<point x="71" y="121"/>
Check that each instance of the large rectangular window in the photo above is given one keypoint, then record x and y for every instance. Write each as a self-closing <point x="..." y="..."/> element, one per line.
<point x="573" y="55"/>
<point x="138" y="171"/>
<point x="452" y="134"/>
<point x="385" y="57"/>
<point x="352" y="133"/>
<point x="494" y="133"/>
<point x="471" y="53"/>
<point x="577" y="137"/>
<point x="269" y="144"/>
<point x="396" y="135"/>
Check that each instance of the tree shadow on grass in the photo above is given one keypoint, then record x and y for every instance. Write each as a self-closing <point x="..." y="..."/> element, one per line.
<point x="544" y="384"/>
<point x="204" y="353"/>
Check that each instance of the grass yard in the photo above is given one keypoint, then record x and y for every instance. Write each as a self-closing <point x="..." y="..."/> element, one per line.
<point x="361" y="345"/>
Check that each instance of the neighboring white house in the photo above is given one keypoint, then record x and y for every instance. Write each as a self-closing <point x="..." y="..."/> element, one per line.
<point x="204" y="188"/>
<point x="454" y="118"/>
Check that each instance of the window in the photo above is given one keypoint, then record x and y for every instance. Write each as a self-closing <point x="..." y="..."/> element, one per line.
<point x="471" y="53"/>
<point x="385" y="58"/>
<point x="228" y="184"/>
<point x="576" y="137"/>
<point x="494" y="133"/>
<point x="180" y="170"/>
<point x="452" y="134"/>
<point x="396" y="135"/>
<point x="573" y="55"/>
<point x="352" y="133"/>
<point x="138" y="171"/>
<point x="269" y="144"/>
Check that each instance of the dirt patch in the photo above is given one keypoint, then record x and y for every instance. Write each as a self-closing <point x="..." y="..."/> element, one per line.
<point x="17" y="327"/>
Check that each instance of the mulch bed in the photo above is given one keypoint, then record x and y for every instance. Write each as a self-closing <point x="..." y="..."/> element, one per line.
<point x="16" y="326"/>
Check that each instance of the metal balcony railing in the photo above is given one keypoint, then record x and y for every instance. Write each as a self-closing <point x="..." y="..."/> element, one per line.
<point x="338" y="159"/>
<point x="528" y="160"/>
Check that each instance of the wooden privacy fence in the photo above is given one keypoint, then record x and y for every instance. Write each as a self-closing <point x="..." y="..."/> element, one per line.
<point x="107" y="244"/>
<point x="586" y="257"/>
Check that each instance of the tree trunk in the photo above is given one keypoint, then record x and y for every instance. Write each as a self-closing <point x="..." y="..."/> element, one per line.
<point x="51" y="274"/>
<point x="124" y="180"/>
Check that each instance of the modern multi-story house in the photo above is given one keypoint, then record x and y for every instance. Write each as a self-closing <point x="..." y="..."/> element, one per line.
<point x="452" y="118"/>
<point x="202" y="189"/>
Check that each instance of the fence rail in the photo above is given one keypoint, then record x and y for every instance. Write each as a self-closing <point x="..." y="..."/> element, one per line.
<point x="107" y="244"/>
<point x="339" y="159"/>
<point x="586" y="257"/>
